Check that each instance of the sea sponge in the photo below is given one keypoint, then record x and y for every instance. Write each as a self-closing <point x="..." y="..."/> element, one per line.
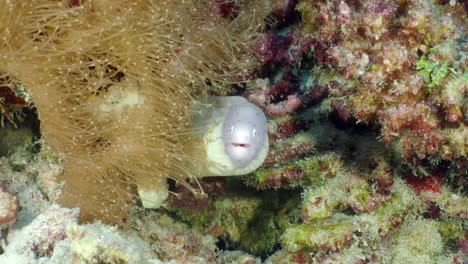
<point x="114" y="83"/>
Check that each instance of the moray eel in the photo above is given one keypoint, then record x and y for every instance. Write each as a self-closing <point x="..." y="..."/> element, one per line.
<point x="234" y="135"/>
<point x="232" y="139"/>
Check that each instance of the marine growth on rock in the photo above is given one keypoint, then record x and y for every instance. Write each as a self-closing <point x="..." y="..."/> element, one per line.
<point x="342" y="122"/>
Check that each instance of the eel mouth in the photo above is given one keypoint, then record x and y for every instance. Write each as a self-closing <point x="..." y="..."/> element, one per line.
<point x="242" y="145"/>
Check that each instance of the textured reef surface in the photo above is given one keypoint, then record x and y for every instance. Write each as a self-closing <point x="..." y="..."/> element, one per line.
<point x="367" y="110"/>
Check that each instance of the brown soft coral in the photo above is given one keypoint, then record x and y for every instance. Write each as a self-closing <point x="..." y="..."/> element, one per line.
<point x="113" y="82"/>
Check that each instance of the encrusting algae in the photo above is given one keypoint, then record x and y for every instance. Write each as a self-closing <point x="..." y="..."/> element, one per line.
<point x="113" y="83"/>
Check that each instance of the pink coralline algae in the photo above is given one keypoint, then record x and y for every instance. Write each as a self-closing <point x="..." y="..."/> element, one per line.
<point x="281" y="49"/>
<point x="262" y="95"/>
<point x="9" y="206"/>
<point x="272" y="48"/>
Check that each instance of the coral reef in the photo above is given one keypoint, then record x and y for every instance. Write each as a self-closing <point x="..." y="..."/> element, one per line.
<point x="366" y="114"/>
<point x="407" y="63"/>
<point x="40" y="237"/>
<point x="359" y="195"/>
<point x="249" y="222"/>
<point x="98" y="243"/>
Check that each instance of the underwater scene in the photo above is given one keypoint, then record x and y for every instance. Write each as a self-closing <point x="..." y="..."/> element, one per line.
<point x="233" y="131"/>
